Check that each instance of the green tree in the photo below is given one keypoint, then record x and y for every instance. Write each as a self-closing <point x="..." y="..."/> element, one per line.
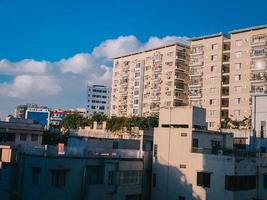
<point x="73" y="121"/>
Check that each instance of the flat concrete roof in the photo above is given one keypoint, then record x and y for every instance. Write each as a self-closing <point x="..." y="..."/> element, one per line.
<point x="253" y="28"/>
<point x="152" y="49"/>
<point x="207" y="36"/>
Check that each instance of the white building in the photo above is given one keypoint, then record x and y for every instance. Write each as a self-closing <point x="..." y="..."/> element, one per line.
<point x="98" y="99"/>
<point x="192" y="163"/>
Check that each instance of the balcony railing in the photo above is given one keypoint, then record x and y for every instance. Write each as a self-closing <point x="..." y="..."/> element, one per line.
<point x="197" y="63"/>
<point x="258" y="53"/>
<point x="259" y="77"/>
<point x="195" y="73"/>
<point x="195" y="83"/>
<point x="193" y="94"/>
<point x="258" y="90"/>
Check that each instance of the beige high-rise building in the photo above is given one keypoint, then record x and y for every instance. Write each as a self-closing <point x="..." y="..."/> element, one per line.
<point x="143" y="82"/>
<point x="226" y="70"/>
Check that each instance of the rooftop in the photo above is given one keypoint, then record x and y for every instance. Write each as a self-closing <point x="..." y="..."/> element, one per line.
<point x="152" y="49"/>
<point x="207" y="36"/>
<point x="253" y="28"/>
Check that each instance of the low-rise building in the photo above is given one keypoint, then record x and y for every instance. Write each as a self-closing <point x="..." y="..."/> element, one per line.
<point x="191" y="162"/>
<point x="23" y="132"/>
<point x="87" y="168"/>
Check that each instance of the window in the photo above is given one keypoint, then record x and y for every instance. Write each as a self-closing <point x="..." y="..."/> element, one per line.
<point x="238" y="77"/>
<point x="136" y="101"/>
<point x="23" y="137"/>
<point x="195" y="143"/>
<point x="237" y="66"/>
<point x="214" y="46"/>
<point x="238" y="43"/>
<point x="212" y="113"/>
<point x="211" y="124"/>
<point x="238" y="54"/>
<point x="136" y="92"/>
<point x="237" y="101"/>
<point x="213" y="68"/>
<point x="212" y="90"/>
<point x="137" y="74"/>
<point x="131" y="177"/>
<point x="212" y="101"/>
<point x="237" y="88"/>
<point x="213" y="79"/>
<point x="239" y="183"/>
<point x="34" y="137"/>
<point x="183" y="166"/>
<point x="214" y="57"/>
<point x="183" y="134"/>
<point x="236" y="113"/>
<point x="58" y="177"/>
<point x="265" y="181"/>
<point x="35" y="175"/>
<point x="203" y="179"/>
<point x="136" y="83"/>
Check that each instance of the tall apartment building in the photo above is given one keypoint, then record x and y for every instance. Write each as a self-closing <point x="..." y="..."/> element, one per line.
<point x="98" y="99"/>
<point x="147" y="80"/>
<point x="225" y="70"/>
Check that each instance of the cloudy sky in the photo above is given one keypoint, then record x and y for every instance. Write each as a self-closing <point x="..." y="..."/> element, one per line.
<point x="49" y="49"/>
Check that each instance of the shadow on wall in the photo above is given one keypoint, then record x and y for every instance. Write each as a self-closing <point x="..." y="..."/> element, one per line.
<point x="170" y="183"/>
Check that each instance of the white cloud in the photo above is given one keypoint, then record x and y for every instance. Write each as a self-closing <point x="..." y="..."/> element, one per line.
<point x="63" y="83"/>
<point x="25" y="85"/>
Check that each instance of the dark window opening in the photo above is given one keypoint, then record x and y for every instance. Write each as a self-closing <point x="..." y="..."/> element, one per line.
<point x="203" y="179"/>
<point x="239" y="183"/>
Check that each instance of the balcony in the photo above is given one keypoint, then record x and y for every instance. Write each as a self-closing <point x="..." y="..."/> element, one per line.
<point x="198" y="50"/>
<point x="180" y="76"/>
<point x="196" y="63"/>
<point x="225" y="80"/>
<point x="155" y="98"/>
<point x="225" y="91"/>
<point x="259" y="41"/>
<point x="179" y="96"/>
<point x="224" y="114"/>
<point x="225" y="102"/>
<point x="258" y="90"/>
<point x="195" y="83"/>
<point x="195" y="94"/>
<point x="195" y="73"/>
<point x="226" y="58"/>
<point x="225" y="69"/>
<point x="180" y="67"/>
<point x="258" y="53"/>
<point x="258" y="77"/>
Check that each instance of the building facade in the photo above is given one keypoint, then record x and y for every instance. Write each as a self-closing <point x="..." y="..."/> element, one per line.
<point x="145" y="81"/>
<point x="21" y="132"/>
<point x="225" y="71"/>
<point x="101" y="169"/>
<point x="98" y="99"/>
<point x="193" y="163"/>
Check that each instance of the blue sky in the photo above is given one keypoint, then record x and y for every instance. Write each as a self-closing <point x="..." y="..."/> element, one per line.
<point x="54" y="29"/>
<point x="85" y="32"/>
